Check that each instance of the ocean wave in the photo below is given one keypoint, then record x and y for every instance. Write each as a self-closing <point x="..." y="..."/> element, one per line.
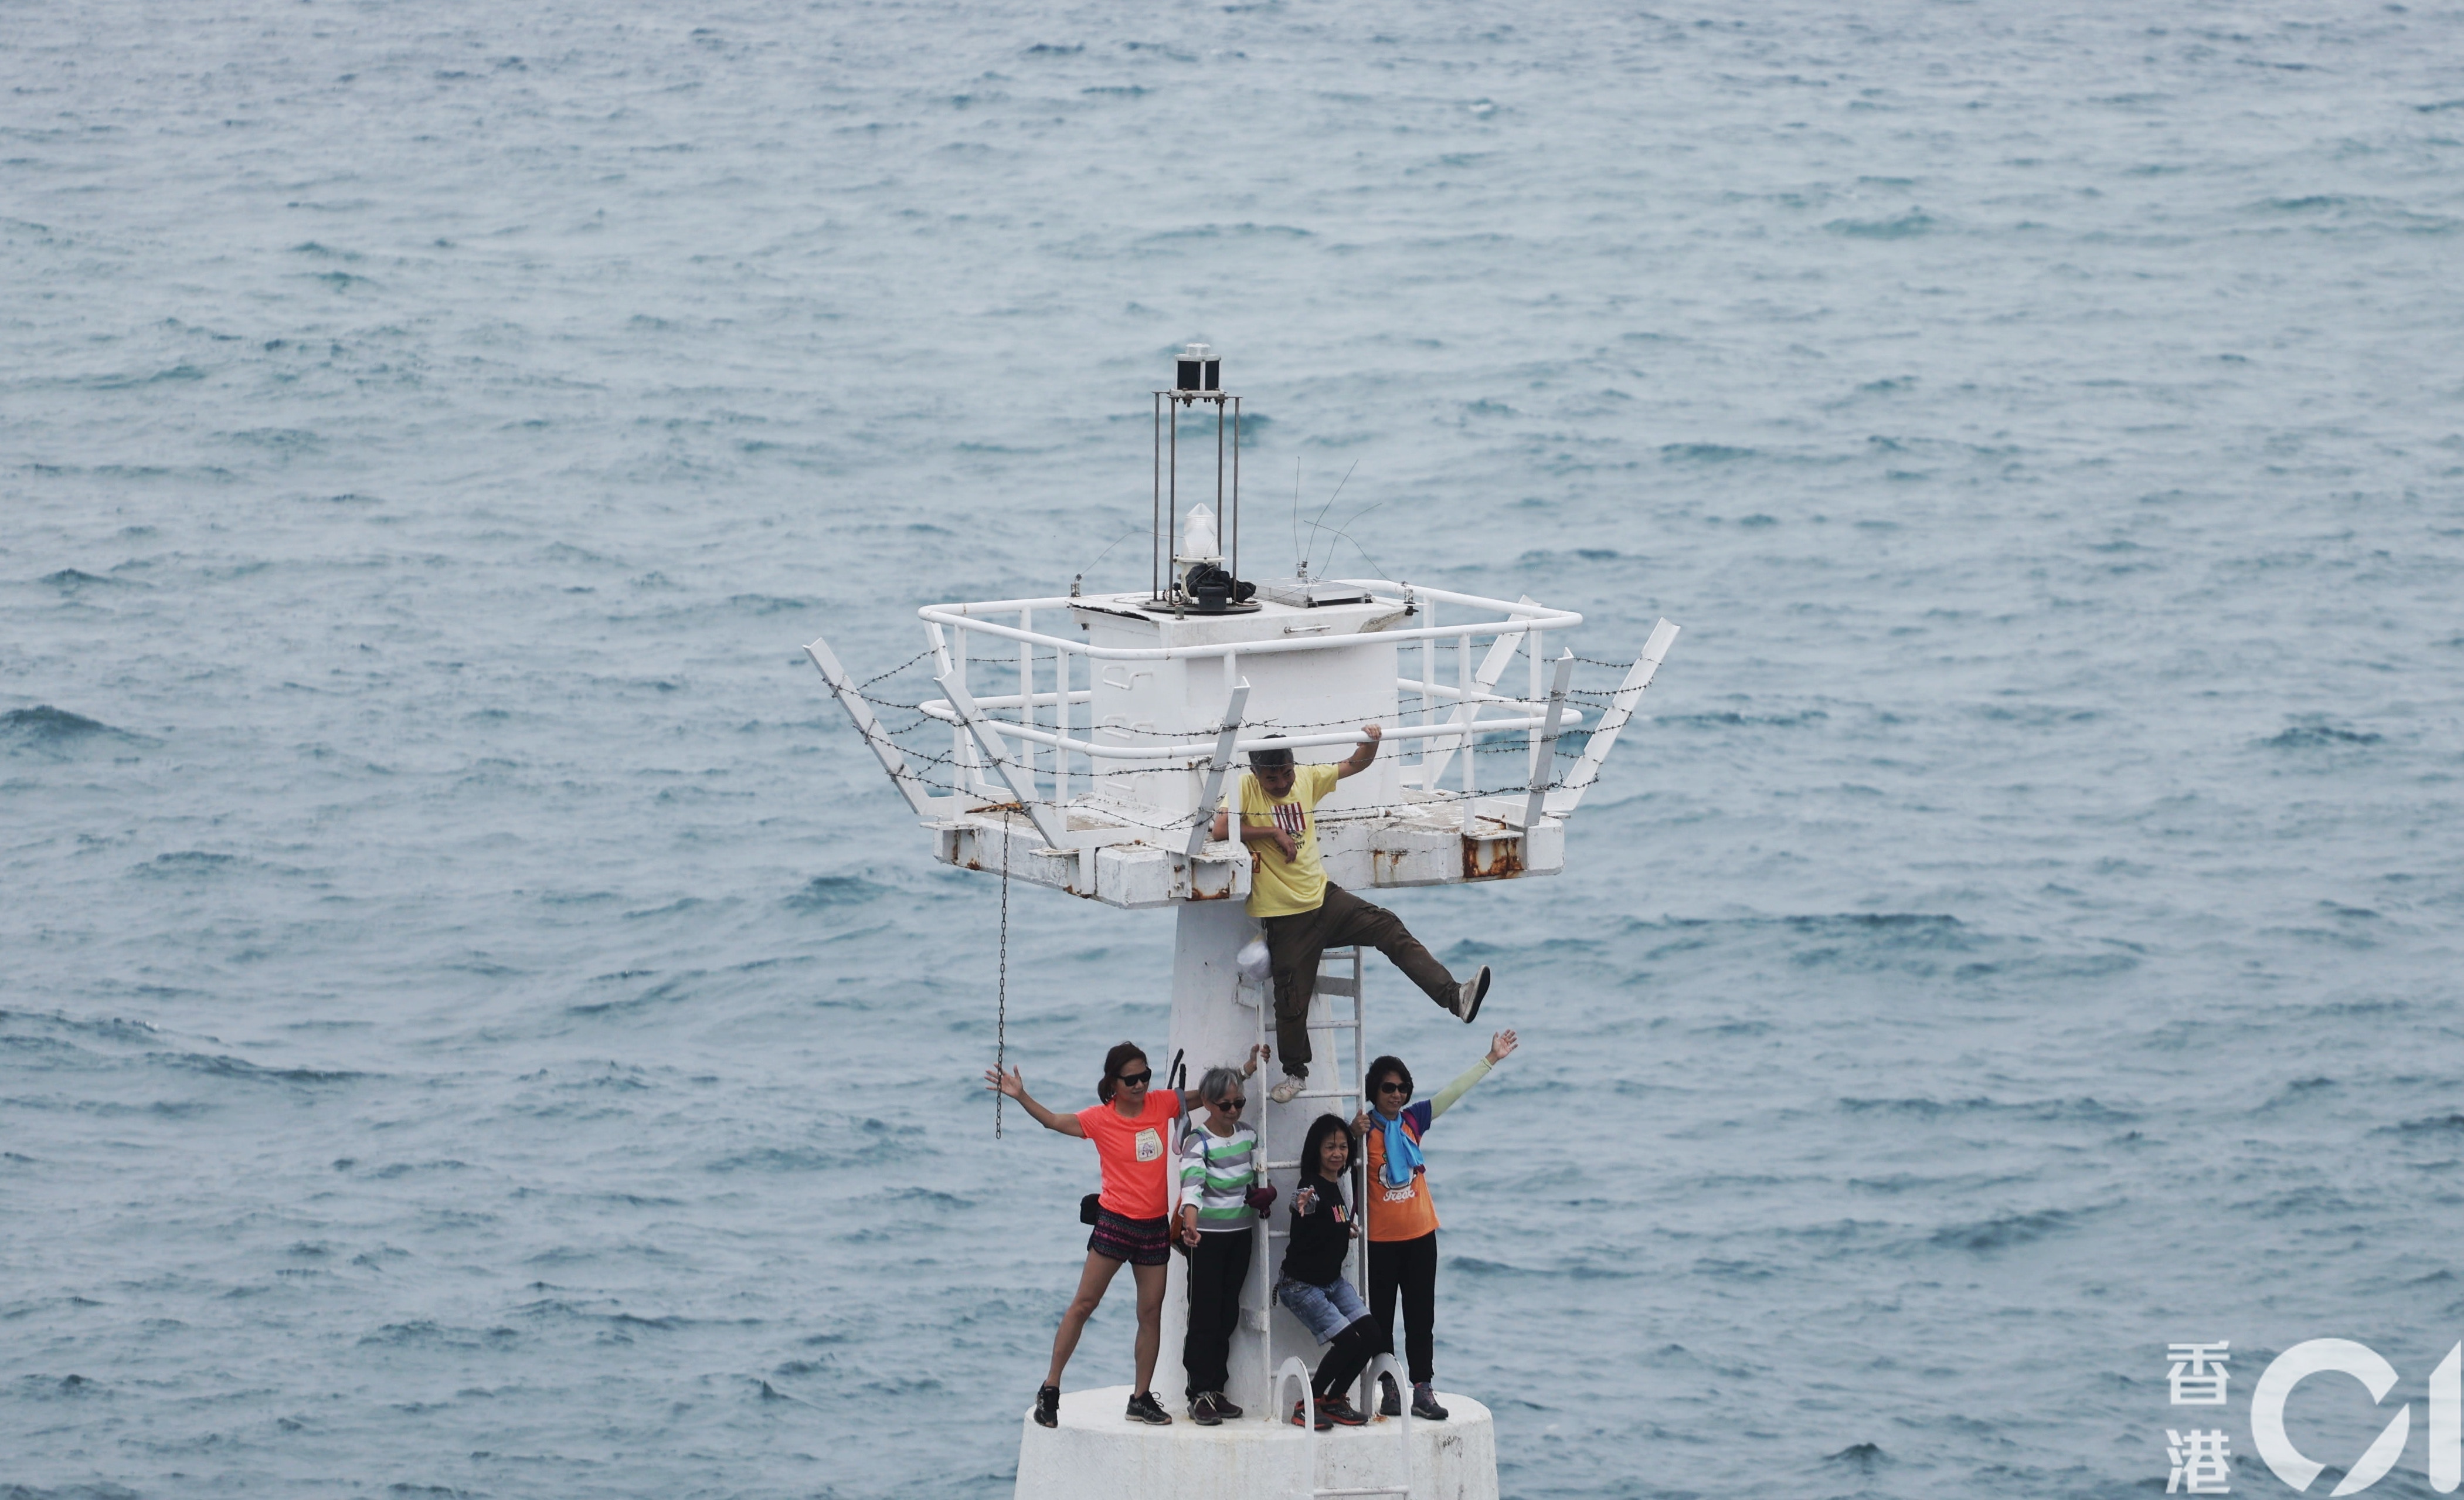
<point x="58" y="735"/>
<point x="2313" y="736"/>
<point x="217" y="1065"/>
<point x="822" y="892"/>
<point x="2004" y="1232"/>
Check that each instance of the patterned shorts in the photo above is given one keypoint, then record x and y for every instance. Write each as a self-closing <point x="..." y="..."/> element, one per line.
<point x="1140" y="1242"/>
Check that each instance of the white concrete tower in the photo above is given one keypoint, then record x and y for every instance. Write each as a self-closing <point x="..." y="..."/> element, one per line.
<point x="1091" y="736"/>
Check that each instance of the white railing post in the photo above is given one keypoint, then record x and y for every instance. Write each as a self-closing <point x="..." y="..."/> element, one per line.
<point x="1386" y="1364"/>
<point x="1061" y="727"/>
<point x="1215" y="768"/>
<point x="1543" y="759"/>
<point x="1428" y="686"/>
<point x="1294" y="1370"/>
<point x="1026" y="692"/>
<point x="1532" y="644"/>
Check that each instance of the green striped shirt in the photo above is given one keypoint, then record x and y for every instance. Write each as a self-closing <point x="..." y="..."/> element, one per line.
<point x="1217" y="1172"/>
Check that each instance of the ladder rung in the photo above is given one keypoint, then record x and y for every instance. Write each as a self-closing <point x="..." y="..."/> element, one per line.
<point x="1328" y="1093"/>
<point x="1283" y="1167"/>
<point x="1327" y="987"/>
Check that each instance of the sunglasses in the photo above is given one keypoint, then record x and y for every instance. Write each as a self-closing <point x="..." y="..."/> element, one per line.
<point x="1136" y="1080"/>
<point x="1231" y="1106"/>
<point x="1395" y="1085"/>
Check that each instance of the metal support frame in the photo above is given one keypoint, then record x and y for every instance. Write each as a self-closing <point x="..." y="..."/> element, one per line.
<point x="1046" y="817"/>
<point x="1544" y="750"/>
<point x="1164" y="577"/>
<point x="1621" y="705"/>
<point x="912" y="787"/>
<point x="1216" y="768"/>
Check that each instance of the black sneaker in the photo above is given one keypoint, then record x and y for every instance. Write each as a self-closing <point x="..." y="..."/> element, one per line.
<point x="1201" y="1410"/>
<point x="1225" y="1408"/>
<point x="1425" y="1403"/>
<point x="1300" y="1416"/>
<point x="1339" y="1410"/>
<point x="1144" y="1407"/>
<point x="1390" y="1402"/>
<point x="1048" y="1405"/>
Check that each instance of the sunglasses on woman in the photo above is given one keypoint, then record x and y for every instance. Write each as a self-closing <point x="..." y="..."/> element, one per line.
<point x="1136" y="1080"/>
<point x="1232" y="1106"/>
<point x="1395" y="1085"/>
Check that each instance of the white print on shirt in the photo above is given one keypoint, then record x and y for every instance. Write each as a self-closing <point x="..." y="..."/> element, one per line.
<point x="1292" y="818"/>
<point x="1150" y="1144"/>
<point x="1400" y="1195"/>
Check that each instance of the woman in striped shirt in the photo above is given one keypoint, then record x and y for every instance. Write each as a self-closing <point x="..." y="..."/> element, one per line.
<point x="1222" y="1175"/>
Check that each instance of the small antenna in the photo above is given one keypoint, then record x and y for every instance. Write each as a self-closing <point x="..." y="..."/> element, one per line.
<point x="1330" y="505"/>
<point x="1300" y="563"/>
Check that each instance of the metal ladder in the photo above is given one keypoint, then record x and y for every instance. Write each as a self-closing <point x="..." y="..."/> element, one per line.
<point x="1341" y="981"/>
<point x="1337" y="984"/>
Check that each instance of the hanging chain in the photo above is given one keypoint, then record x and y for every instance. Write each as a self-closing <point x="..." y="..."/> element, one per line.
<point x="1001" y="1025"/>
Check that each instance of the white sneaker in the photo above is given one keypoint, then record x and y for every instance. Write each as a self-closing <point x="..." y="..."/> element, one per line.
<point x="1474" y="990"/>
<point x="1287" y="1090"/>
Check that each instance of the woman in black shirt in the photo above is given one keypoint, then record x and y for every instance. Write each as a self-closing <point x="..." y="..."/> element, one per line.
<point x="1312" y="1285"/>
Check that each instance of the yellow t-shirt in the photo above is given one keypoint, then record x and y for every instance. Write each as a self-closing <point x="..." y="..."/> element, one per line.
<point x="1279" y="886"/>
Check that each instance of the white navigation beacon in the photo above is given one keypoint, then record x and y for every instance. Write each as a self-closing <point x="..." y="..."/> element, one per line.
<point x="1091" y="738"/>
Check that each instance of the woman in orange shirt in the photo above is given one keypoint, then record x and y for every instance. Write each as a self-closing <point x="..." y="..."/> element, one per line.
<point x="1132" y="1217"/>
<point x="1403" y="1217"/>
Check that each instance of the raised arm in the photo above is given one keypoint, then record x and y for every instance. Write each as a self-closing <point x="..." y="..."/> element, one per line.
<point x="1015" y="1086"/>
<point x="1371" y="734"/>
<point x="1499" y="1047"/>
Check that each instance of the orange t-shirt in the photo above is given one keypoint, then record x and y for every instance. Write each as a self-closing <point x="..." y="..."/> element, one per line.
<point x="1136" y="1155"/>
<point x="1406" y="1212"/>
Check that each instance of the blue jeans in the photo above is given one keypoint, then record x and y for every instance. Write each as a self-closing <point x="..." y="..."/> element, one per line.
<point x="1324" y="1311"/>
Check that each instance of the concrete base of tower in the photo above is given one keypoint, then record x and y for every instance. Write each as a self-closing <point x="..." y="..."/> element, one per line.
<point x="1097" y="1454"/>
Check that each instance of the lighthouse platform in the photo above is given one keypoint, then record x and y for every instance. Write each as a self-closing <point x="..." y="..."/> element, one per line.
<point x="1095" y="1453"/>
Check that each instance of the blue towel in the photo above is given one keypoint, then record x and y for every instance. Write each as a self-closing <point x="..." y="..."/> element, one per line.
<point x="1403" y="1152"/>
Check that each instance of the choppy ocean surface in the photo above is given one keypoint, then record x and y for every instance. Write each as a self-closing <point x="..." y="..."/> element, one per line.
<point x="474" y="1021"/>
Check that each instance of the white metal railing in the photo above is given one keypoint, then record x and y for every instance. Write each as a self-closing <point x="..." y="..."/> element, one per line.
<point x="1026" y="745"/>
<point x="1032" y="725"/>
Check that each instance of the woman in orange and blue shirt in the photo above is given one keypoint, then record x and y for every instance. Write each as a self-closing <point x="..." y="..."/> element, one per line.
<point x="1403" y="1218"/>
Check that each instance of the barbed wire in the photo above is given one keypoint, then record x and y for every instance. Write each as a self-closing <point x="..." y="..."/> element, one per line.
<point x="1482" y="740"/>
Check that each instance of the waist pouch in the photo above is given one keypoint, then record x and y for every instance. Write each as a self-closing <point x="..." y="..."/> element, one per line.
<point x="1089" y="1207"/>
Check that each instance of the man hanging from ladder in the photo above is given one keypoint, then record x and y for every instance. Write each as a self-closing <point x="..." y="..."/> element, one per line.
<point x="1304" y="914"/>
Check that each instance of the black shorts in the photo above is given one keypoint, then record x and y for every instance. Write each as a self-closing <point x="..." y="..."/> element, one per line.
<point x="1140" y="1242"/>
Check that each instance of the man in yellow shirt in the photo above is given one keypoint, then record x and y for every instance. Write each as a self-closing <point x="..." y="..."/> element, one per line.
<point x="1304" y="914"/>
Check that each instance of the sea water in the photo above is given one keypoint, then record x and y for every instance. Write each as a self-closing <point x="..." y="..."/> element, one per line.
<point x="477" y="1022"/>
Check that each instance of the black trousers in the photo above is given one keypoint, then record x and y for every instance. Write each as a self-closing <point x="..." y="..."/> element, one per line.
<point x="1294" y="944"/>
<point x="1217" y="1268"/>
<point x="1347" y="1355"/>
<point x="1409" y="1267"/>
